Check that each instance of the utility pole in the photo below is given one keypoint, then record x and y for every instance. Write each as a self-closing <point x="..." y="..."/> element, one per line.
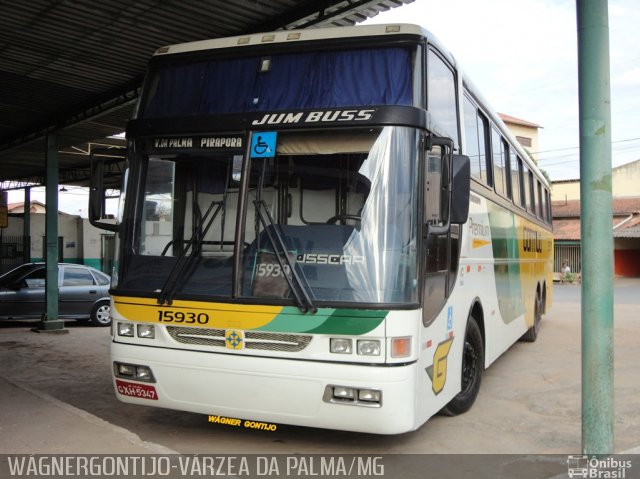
<point x="596" y="230"/>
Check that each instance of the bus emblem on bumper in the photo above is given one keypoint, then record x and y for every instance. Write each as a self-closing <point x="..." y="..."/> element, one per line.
<point x="234" y="339"/>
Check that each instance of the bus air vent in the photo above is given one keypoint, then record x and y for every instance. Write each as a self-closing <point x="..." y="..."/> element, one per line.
<point x="291" y="343"/>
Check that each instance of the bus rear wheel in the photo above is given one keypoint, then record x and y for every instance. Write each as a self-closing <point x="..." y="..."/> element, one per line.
<point x="532" y="333"/>
<point x="472" y="367"/>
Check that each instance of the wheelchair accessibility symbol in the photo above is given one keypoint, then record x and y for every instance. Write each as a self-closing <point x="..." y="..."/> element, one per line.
<point x="263" y="144"/>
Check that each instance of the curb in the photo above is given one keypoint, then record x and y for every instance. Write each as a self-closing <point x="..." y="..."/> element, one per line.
<point x="95" y="420"/>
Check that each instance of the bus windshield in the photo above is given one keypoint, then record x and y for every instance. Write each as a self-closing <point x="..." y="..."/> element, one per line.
<point x="332" y="216"/>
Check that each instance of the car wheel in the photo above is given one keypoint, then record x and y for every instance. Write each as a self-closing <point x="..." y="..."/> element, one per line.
<point x="101" y="313"/>
<point x="472" y="367"/>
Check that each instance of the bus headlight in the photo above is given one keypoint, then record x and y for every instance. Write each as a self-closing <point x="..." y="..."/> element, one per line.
<point x="143" y="373"/>
<point x="124" y="370"/>
<point x="353" y="396"/>
<point x="125" y="329"/>
<point x="136" y="372"/>
<point x="368" y="347"/>
<point x="344" y="393"/>
<point x="341" y="346"/>
<point x="369" y="395"/>
<point x="146" y="331"/>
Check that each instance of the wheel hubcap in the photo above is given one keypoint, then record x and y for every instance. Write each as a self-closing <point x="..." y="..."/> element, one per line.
<point x="103" y="314"/>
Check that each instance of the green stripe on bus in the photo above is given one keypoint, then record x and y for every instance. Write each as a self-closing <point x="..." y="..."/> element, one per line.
<point x="351" y="321"/>
<point x="326" y="321"/>
<point x="506" y="254"/>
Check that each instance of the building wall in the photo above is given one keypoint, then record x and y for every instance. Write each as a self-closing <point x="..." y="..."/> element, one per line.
<point x="526" y="132"/>
<point x="67" y="229"/>
<point x="627" y="262"/>
<point x="627" y="256"/>
<point x="92" y="244"/>
<point x="625" y="181"/>
<point x="81" y="242"/>
<point x="565" y="190"/>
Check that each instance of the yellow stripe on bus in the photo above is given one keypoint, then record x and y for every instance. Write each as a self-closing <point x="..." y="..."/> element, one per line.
<point x="535" y="245"/>
<point x="196" y="313"/>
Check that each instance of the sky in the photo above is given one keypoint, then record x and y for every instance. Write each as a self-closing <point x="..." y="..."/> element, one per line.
<point x="522" y="56"/>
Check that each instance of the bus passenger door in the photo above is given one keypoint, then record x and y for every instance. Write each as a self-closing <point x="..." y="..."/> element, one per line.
<point x="437" y="242"/>
<point x="446" y="207"/>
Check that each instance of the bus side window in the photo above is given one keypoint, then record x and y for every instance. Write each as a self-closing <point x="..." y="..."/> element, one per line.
<point x="540" y="202"/>
<point x="519" y="180"/>
<point x="441" y="95"/>
<point x="471" y="148"/>
<point x="548" y="206"/>
<point x="526" y="186"/>
<point x="515" y="179"/>
<point x="475" y="125"/>
<point x="507" y="169"/>
<point x="532" y="190"/>
<point x="485" y="160"/>
<point x="498" y="162"/>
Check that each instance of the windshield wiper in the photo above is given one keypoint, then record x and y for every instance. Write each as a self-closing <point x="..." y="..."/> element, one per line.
<point x="297" y="284"/>
<point x="184" y="263"/>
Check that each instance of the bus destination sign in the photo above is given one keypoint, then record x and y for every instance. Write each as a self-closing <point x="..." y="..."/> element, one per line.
<point x="209" y="142"/>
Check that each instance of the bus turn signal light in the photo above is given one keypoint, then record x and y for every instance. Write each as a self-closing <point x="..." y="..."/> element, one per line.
<point x="401" y="347"/>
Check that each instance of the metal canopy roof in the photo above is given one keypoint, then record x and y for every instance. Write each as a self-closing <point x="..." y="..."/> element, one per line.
<point x="75" y="66"/>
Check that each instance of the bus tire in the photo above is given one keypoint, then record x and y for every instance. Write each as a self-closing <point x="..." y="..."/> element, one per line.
<point x="532" y="333"/>
<point x="472" y="367"/>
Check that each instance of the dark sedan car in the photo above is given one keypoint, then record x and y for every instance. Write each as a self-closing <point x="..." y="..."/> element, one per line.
<point x="83" y="293"/>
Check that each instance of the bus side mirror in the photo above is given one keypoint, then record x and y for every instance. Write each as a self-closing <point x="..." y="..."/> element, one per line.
<point x="97" y="195"/>
<point x="460" y="186"/>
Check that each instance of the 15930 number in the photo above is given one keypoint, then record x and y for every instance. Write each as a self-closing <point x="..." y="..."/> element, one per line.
<point x="188" y="317"/>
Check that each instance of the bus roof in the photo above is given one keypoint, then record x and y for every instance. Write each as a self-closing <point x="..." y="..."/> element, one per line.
<point x="360" y="31"/>
<point x="292" y="36"/>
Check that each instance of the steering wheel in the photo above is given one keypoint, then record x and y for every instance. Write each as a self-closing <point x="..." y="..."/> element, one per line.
<point x="334" y="219"/>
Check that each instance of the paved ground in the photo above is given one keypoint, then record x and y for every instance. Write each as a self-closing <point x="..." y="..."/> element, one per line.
<point x="56" y="396"/>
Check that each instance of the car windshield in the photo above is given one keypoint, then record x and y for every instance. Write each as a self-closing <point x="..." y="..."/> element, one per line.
<point x="329" y="218"/>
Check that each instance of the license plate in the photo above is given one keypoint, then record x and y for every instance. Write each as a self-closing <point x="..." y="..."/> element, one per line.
<point x="143" y="391"/>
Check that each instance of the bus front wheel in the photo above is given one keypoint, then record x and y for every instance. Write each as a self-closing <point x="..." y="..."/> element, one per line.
<point x="472" y="367"/>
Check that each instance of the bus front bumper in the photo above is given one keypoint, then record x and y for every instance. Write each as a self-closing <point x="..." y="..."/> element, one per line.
<point x="271" y="390"/>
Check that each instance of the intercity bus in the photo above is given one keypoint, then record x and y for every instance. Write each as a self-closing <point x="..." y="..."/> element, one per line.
<point x="325" y="227"/>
